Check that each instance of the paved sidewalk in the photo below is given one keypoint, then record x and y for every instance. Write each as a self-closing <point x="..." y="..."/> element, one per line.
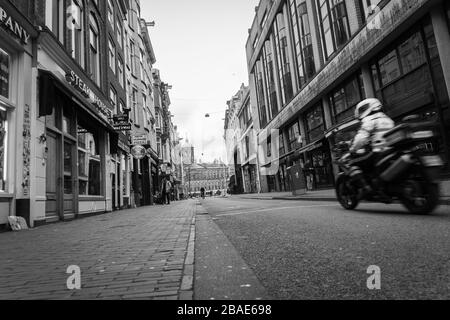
<point x="133" y="254"/>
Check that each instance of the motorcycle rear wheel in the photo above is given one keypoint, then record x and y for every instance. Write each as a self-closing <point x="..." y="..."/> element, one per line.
<point x="346" y="195"/>
<point x="421" y="197"/>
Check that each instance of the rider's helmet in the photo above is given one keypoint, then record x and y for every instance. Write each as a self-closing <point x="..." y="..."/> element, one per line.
<point x="367" y="107"/>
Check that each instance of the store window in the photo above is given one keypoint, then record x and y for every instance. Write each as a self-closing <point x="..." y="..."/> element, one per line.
<point x="315" y="123"/>
<point x="4" y="74"/>
<point x="334" y="24"/>
<point x="401" y="76"/>
<point x="293" y="136"/>
<point x="282" y="148"/>
<point x="89" y="161"/>
<point x="3" y="148"/>
<point x="344" y="99"/>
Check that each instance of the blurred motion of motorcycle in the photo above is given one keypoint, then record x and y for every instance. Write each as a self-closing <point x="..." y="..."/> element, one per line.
<point x="408" y="170"/>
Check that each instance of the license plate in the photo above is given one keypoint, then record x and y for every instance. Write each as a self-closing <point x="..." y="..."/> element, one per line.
<point x="432" y="161"/>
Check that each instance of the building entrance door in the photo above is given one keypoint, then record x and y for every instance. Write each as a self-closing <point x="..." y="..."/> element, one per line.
<point x="54" y="179"/>
<point x="61" y="178"/>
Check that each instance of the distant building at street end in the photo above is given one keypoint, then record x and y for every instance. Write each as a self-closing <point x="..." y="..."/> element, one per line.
<point x="241" y="144"/>
<point x="211" y="176"/>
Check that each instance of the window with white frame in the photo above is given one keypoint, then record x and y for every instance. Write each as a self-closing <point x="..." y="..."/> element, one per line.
<point x="54" y="17"/>
<point x="112" y="55"/>
<point x="94" y="50"/>
<point x="89" y="160"/>
<point x="111" y="13"/>
<point x="76" y="32"/>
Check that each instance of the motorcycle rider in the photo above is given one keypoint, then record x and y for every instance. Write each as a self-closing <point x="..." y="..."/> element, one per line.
<point x="374" y="124"/>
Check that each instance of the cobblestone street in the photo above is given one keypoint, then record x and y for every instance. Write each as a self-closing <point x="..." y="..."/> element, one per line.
<point x="144" y="253"/>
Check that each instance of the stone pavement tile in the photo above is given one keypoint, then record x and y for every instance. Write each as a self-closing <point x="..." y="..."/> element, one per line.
<point x="151" y="295"/>
<point x="142" y="249"/>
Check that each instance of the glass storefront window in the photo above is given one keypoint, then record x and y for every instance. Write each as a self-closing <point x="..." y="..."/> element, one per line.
<point x="293" y="134"/>
<point x="4" y="74"/>
<point x="89" y="168"/>
<point x="412" y="53"/>
<point x="389" y="68"/>
<point x="345" y="99"/>
<point x="315" y="123"/>
<point x="3" y="149"/>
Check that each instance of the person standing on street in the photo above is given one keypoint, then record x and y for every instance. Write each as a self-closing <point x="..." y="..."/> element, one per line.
<point x="165" y="191"/>
<point x="168" y="191"/>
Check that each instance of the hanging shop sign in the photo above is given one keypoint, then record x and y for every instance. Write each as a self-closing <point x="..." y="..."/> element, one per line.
<point x="122" y="127"/>
<point x="119" y="119"/>
<point x="139" y="140"/>
<point x="138" y="152"/>
<point x="121" y="122"/>
<point x="84" y="89"/>
<point x="12" y="26"/>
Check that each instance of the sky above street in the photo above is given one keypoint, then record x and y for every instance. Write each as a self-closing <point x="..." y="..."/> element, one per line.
<point x="200" y="51"/>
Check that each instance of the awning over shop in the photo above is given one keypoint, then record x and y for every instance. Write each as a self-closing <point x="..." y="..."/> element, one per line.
<point x="50" y="85"/>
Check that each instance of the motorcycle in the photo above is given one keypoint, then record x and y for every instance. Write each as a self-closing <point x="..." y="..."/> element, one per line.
<point x="407" y="171"/>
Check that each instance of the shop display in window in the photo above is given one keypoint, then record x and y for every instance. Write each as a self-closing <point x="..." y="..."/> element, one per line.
<point x="89" y="162"/>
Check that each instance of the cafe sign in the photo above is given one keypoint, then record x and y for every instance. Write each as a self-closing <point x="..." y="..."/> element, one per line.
<point x="138" y="152"/>
<point x="9" y="24"/>
<point x="84" y="89"/>
<point x="139" y="140"/>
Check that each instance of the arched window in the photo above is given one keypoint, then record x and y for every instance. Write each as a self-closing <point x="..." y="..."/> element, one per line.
<point x="76" y="30"/>
<point x="94" y="55"/>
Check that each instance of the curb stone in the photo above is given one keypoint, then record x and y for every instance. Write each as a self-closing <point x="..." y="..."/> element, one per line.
<point x="187" y="283"/>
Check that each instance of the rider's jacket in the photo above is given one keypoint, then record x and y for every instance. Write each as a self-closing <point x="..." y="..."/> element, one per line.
<point x="373" y="128"/>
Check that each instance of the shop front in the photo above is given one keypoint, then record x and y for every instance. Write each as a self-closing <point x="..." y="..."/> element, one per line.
<point x="16" y="113"/>
<point x="80" y="167"/>
<point x="77" y="153"/>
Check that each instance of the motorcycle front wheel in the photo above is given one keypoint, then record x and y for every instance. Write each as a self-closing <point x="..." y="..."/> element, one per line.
<point x="347" y="195"/>
<point x="420" y="197"/>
